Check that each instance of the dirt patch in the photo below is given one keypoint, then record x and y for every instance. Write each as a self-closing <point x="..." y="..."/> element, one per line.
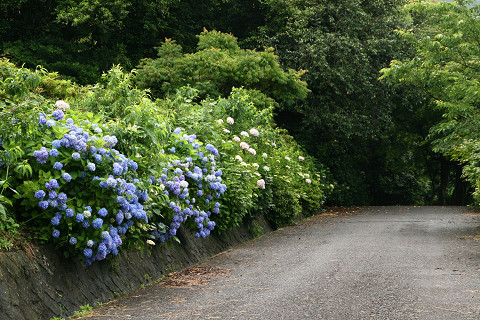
<point x="195" y="276"/>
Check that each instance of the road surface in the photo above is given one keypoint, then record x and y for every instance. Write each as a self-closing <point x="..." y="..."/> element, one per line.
<point x="364" y="263"/>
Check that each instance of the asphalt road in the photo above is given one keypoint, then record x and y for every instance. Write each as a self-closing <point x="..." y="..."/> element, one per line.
<point x="369" y="263"/>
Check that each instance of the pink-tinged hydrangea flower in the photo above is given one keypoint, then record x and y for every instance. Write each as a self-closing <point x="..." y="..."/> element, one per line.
<point x="261" y="183"/>
<point x="244" y="146"/>
<point x="236" y="139"/>
<point x="245" y="134"/>
<point x="254" y="132"/>
<point x="230" y="120"/>
<point x="252" y="151"/>
<point x="308" y="181"/>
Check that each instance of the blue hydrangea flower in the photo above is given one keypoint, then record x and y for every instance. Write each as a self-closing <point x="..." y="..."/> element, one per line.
<point x="177" y="131"/>
<point x="62" y="207"/>
<point x="40" y="194"/>
<point x="69" y="213"/>
<point x="72" y="241"/>
<point x="85" y="224"/>
<point x="52" y="184"/>
<point x="98" y="158"/>
<point x="80" y="217"/>
<point x="52" y="195"/>
<point x="53" y="153"/>
<point x="56" y="233"/>
<point x="55" y="221"/>
<point x="133" y="165"/>
<point x="41" y="119"/>
<point x="70" y="121"/>
<point x="51" y="123"/>
<point x="117" y="169"/>
<point x="119" y="217"/>
<point x="67" y="177"/>
<point x="91" y="166"/>
<point x="87" y="252"/>
<point x="97" y="223"/>
<point x="62" y="198"/>
<point x="111" y="182"/>
<point x="102" y="212"/>
<point x="57" y="165"/>
<point x="56" y="144"/>
<point x="41" y="155"/>
<point x="58" y="114"/>
<point x="172" y="150"/>
<point x="76" y="156"/>
<point x="43" y="205"/>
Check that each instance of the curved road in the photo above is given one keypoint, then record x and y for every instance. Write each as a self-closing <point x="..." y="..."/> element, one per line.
<point x="368" y="263"/>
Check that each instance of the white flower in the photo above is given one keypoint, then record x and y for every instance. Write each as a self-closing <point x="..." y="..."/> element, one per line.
<point x="274" y="144"/>
<point x="261" y="183"/>
<point x="255" y="165"/>
<point x="237" y="157"/>
<point x="226" y="130"/>
<point x="219" y="121"/>
<point x="62" y="105"/>
<point x="150" y="242"/>
<point x="288" y="167"/>
<point x="252" y="151"/>
<point x="236" y="139"/>
<point x="264" y="155"/>
<point x="301" y="158"/>
<point x="230" y="120"/>
<point x="87" y="214"/>
<point x="254" y="132"/>
<point x="184" y="184"/>
<point x="162" y="187"/>
<point x="244" y="146"/>
<point x="245" y="134"/>
<point x="287" y="158"/>
<point x="266" y="168"/>
<point x="308" y="181"/>
<point x="243" y="164"/>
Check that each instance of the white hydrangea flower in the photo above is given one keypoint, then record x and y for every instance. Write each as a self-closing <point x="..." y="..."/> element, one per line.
<point x="301" y="158"/>
<point x="150" y="242"/>
<point x="255" y="165"/>
<point x="245" y="134"/>
<point x="308" y="181"/>
<point x="244" y="146"/>
<point x="237" y="157"/>
<point x="264" y="155"/>
<point x="230" y="120"/>
<point x="236" y="139"/>
<point x="287" y="158"/>
<point x="62" y="105"/>
<point x="252" y="151"/>
<point x="219" y="121"/>
<point x="254" y="132"/>
<point x="261" y="183"/>
<point x="87" y="214"/>
<point x="184" y="184"/>
<point x="226" y="130"/>
<point x="266" y="168"/>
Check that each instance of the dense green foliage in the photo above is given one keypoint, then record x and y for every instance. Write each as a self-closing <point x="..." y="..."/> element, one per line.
<point x="446" y="69"/>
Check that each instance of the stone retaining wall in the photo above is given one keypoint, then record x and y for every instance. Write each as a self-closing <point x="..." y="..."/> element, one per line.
<point x="46" y="285"/>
